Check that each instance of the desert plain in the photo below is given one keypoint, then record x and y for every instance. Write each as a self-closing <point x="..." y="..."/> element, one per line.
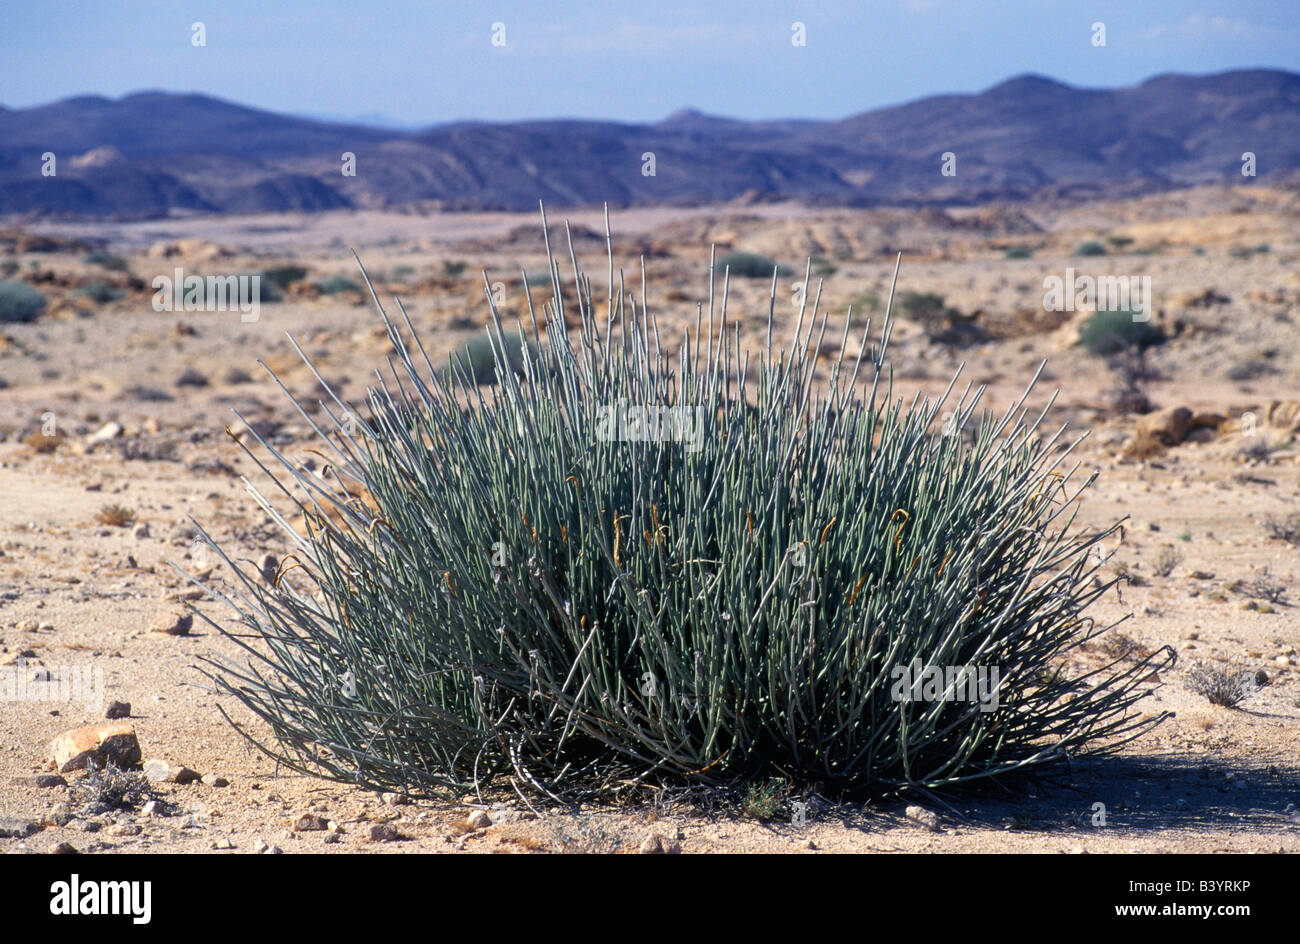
<point x="117" y="429"/>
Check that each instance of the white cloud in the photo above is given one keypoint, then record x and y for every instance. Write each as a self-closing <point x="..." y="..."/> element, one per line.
<point x="1197" y="27"/>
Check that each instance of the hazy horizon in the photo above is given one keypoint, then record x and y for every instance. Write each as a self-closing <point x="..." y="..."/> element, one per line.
<point x="403" y="64"/>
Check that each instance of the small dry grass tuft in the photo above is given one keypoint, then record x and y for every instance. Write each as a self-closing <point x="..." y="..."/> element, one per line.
<point x="41" y="443"/>
<point x="1143" y="445"/>
<point x="116" y="516"/>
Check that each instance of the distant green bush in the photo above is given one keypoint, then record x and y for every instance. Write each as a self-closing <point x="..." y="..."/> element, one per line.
<point x="107" y="260"/>
<point x="284" y="275"/>
<point x="1018" y="252"/>
<point x="337" y="283"/>
<point x="477" y="359"/>
<point x="751" y="265"/>
<point x="101" y="292"/>
<point x="452" y="268"/>
<point x="1090" y="247"/>
<point x="19" y="302"/>
<point x="1109" y="332"/>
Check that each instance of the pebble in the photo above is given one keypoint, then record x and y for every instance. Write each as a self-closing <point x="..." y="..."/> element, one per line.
<point x="393" y="799"/>
<point x="173" y="624"/>
<point x="160" y="771"/>
<point x="14" y="827"/>
<point x="479" y="819"/>
<point x="40" y="781"/>
<point x="212" y="780"/>
<point x="64" y="848"/>
<point x="382" y="832"/>
<point x="922" y="817"/>
<point x="223" y="844"/>
<point x="140" y="531"/>
<point x="124" y="829"/>
<point x="310" y="822"/>
<point x="118" y="709"/>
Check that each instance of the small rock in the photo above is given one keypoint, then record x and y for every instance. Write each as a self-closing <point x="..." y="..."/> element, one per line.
<point x="102" y="743"/>
<point x="160" y="771"/>
<point x="13" y="827"/>
<point x="393" y="799"/>
<point x="479" y="819"/>
<point x="260" y="846"/>
<point x="64" y="848"/>
<point x="118" y="709"/>
<point x="922" y="817"/>
<point x="333" y="837"/>
<point x="273" y="850"/>
<point x="212" y="780"/>
<point x="150" y="808"/>
<point x="382" y="832"/>
<point x="223" y="844"/>
<point x="310" y="822"/>
<point x="651" y="845"/>
<point x="810" y="844"/>
<point x="140" y="531"/>
<point x="124" y="829"/>
<point x="105" y="433"/>
<point x="173" y="624"/>
<point x="40" y="781"/>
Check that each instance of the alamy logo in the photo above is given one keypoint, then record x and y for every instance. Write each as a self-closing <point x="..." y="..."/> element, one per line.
<point x="181" y="292"/>
<point x="952" y="683"/>
<point x="1104" y="293"/>
<point x="60" y="683"/>
<point x="624" y="423"/>
<point x="75" y="897"/>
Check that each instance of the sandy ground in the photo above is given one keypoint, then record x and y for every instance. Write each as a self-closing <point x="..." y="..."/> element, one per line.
<point x="75" y="592"/>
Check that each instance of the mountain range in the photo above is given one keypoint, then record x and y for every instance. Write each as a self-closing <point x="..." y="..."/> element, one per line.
<point x="155" y="154"/>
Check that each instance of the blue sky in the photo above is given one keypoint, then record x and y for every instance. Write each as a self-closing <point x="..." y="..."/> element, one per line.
<point x="420" y="63"/>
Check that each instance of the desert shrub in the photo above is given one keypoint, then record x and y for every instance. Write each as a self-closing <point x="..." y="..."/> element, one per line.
<point x="1284" y="529"/>
<point x="1224" y="685"/>
<point x="20" y="302"/>
<point x="1250" y="369"/>
<point x="1261" y="585"/>
<point x="403" y="272"/>
<point x="1090" y="247"/>
<point x="1119" y="242"/>
<point x="479" y="357"/>
<point x="1166" y="560"/>
<point x="107" y="260"/>
<point x="1018" y="252"/>
<point x="1255" y="449"/>
<point x="8" y="267"/>
<point x="1106" y="333"/>
<point x="283" y="275"/>
<point x="105" y="789"/>
<point x="117" y="516"/>
<point x="930" y="311"/>
<point x="869" y="301"/>
<point x="452" y="268"/>
<point x="532" y="590"/>
<point x="751" y="265"/>
<point x="823" y="267"/>
<point x="101" y="292"/>
<point x="337" y="283"/>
